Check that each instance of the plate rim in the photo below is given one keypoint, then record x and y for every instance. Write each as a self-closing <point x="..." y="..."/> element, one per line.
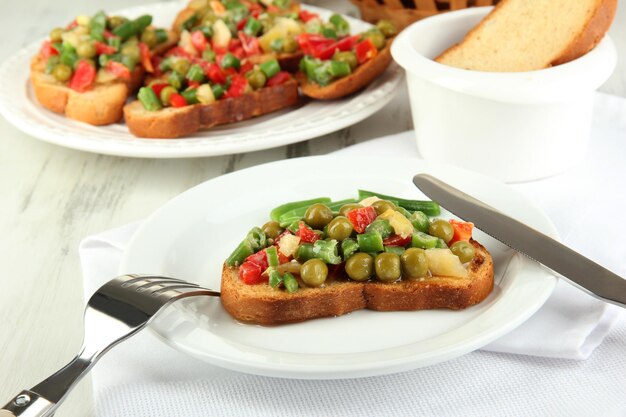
<point x="66" y="135"/>
<point x="356" y="370"/>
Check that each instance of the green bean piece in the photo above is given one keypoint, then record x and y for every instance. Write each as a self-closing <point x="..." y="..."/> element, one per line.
<point x="195" y="73"/>
<point x="398" y="250"/>
<point x="404" y="212"/>
<point x="339" y="69"/>
<point x="420" y="221"/>
<point x="270" y="68"/>
<point x="230" y="61"/>
<point x="329" y="33"/>
<point x="252" y="27"/>
<point x="149" y="99"/>
<point x="132" y="27"/>
<point x="341" y="25"/>
<point x="326" y="250"/>
<point x="176" y="80"/>
<point x="257" y="238"/>
<point x="430" y="208"/>
<point x="348" y="248"/>
<point x="241" y="252"/>
<point x="423" y="241"/>
<point x="441" y="244"/>
<point x="97" y="25"/>
<point x="218" y="91"/>
<point x="348" y="57"/>
<point x="284" y="208"/>
<point x="290" y="282"/>
<point x="115" y="42"/>
<point x="321" y="75"/>
<point x="191" y="96"/>
<point x="161" y="35"/>
<point x="166" y="64"/>
<point x="305" y="252"/>
<point x="69" y="56"/>
<point x="336" y="205"/>
<point x="382" y="227"/>
<point x="190" y="21"/>
<point x="272" y="256"/>
<point x="387" y="28"/>
<point x="371" y="242"/>
<point x="275" y="278"/>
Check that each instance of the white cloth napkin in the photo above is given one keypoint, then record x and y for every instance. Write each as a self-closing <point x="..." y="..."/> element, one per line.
<point x="145" y="378"/>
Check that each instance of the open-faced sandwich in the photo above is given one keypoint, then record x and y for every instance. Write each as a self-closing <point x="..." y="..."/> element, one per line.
<point x="319" y="258"/>
<point x="337" y="64"/>
<point x="88" y="69"/>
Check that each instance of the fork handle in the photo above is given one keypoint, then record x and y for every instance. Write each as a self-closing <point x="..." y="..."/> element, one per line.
<point x="27" y="404"/>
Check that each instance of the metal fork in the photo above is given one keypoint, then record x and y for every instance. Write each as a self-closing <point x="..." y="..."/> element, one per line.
<point x="118" y="310"/>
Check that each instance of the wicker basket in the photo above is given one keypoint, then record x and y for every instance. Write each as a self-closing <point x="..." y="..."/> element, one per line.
<point x="404" y="12"/>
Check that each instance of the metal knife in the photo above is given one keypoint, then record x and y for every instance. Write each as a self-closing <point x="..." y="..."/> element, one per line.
<point x="561" y="260"/>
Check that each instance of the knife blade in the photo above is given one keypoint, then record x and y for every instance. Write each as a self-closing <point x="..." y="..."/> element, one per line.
<point x="560" y="259"/>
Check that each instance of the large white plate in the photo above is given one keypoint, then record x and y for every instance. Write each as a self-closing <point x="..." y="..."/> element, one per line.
<point x="190" y="237"/>
<point x="312" y="119"/>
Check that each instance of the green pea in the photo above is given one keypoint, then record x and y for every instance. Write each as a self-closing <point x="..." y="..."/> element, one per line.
<point x="339" y="228"/>
<point x="359" y="266"/>
<point x="464" y="250"/>
<point x="256" y="79"/>
<point x="181" y="66"/>
<point x="86" y="50"/>
<point x="62" y="72"/>
<point x="272" y="229"/>
<point x="314" y="272"/>
<point x="382" y="206"/>
<point x="149" y="37"/>
<point x="344" y="209"/>
<point x="414" y="263"/>
<point x="132" y="51"/>
<point x="55" y="35"/>
<point x="377" y="38"/>
<point x="318" y="215"/>
<point x="347" y="57"/>
<point x="166" y="94"/>
<point x="387" y="28"/>
<point x="441" y="229"/>
<point x="387" y="266"/>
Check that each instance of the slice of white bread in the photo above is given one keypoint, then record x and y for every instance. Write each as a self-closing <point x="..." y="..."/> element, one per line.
<point x="526" y="35"/>
<point x="263" y="304"/>
<point x="172" y="122"/>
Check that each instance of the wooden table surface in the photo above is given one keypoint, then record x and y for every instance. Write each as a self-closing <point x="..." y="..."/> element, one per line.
<point x="53" y="197"/>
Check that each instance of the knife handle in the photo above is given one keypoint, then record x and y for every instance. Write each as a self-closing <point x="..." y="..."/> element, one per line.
<point x="27" y="404"/>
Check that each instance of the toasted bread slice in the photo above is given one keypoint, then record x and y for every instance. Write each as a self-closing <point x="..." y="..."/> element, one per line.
<point x="521" y="35"/>
<point x="264" y="305"/>
<point x="175" y="122"/>
<point x="359" y="79"/>
<point x="101" y="105"/>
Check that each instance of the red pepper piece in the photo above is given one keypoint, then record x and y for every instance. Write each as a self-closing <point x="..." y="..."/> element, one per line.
<point x="176" y="100"/>
<point x="280" y="78"/>
<point x="251" y="273"/>
<point x="365" y="51"/>
<point x="118" y="69"/>
<point x="158" y="87"/>
<point x="104" y="49"/>
<point x="397" y="240"/>
<point x="462" y="231"/>
<point x="259" y="258"/>
<point x="198" y="40"/>
<point x="242" y="23"/>
<point x="361" y="217"/>
<point x="146" y="57"/>
<point x="247" y="66"/>
<point x="47" y="50"/>
<point x="84" y="76"/>
<point x="250" y="44"/>
<point x="306" y="16"/>
<point x="214" y="73"/>
<point x="306" y="235"/>
<point x="237" y="87"/>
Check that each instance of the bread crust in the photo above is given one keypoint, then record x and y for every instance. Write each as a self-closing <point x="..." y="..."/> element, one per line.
<point x="101" y="105"/>
<point x="586" y="40"/>
<point x="175" y="122"/>
<point x="359" y="79"/>
<point x="262" y="304"/>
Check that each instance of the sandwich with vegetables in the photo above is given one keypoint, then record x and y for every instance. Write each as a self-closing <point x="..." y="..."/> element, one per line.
<point x="319" y="258"/>
<point x="88" y="69"/>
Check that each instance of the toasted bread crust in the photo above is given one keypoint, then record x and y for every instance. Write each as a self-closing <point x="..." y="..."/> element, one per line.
<point x="583" y="42"/>
<point x="359" y="79"/>
<point x="175" y="122"/>
<point x="101" y="105"/>
<point x="264" y="305"/>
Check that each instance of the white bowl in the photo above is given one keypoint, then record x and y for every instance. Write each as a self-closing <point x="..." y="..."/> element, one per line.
<point x="515" y="126"/>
